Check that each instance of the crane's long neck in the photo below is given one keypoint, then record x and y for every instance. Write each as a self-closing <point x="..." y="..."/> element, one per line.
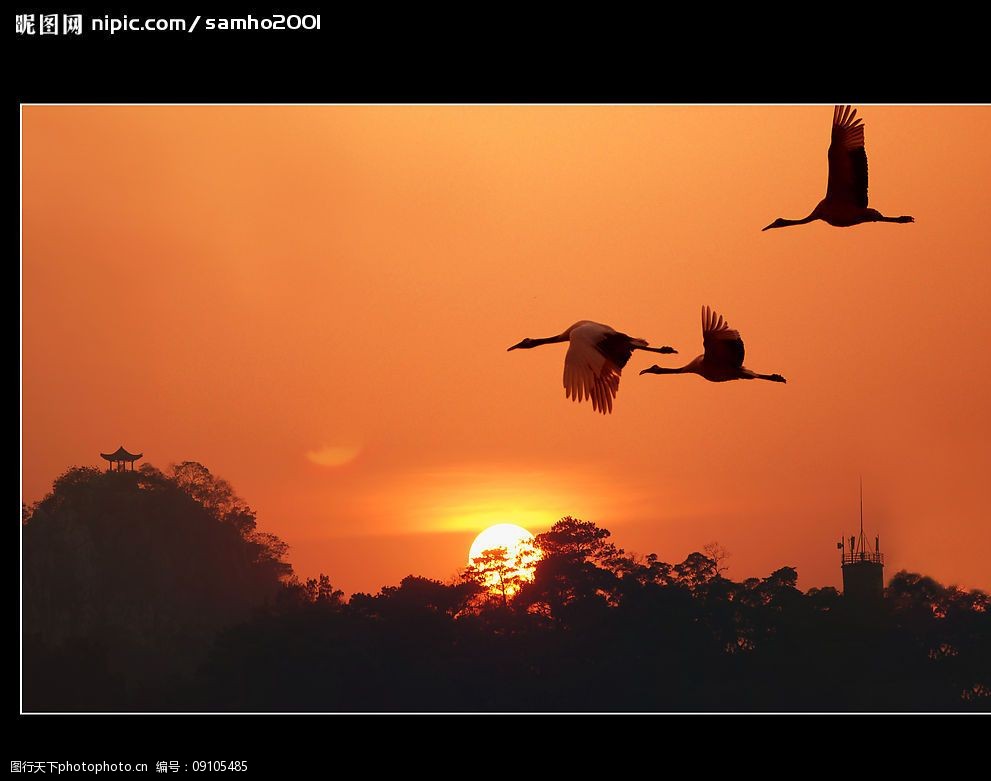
<point x="550" y="339"/>
<point x="688" y="368"/>
<point x="783" y="223"/>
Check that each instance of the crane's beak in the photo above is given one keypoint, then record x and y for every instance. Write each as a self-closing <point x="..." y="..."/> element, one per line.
<point x="769" y="226"/>
<point x="516" y="346"/>
<point x="651" y="370"/>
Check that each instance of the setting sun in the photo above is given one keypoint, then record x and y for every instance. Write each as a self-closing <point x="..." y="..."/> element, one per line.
<point x="516" y="564"/>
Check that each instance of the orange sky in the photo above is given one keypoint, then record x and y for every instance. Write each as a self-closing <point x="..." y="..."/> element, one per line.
<point x="315" y="302"/>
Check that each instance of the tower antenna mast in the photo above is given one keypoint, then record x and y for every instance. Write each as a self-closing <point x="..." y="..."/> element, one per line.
<point x="863" y="569"/>
<point x="861" y="505"/>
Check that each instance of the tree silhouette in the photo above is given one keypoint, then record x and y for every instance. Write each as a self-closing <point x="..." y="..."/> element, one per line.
<point x="152" y="591"/>
<point x="497" y="571"/>
<point x="696" y="571"/>
<point x="578" y="567"/>
<point x="718" y="554"/>
<point x="215" y="494"/>
<point x="417" y="596"/>
<point x="314" y="591"/>
<point x="127" y="578"/>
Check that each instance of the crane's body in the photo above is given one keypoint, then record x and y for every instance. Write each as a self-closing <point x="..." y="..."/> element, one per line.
<point x="595" y="359"/>
<point x="845" y="203"/>
<point x="723" y="357"/>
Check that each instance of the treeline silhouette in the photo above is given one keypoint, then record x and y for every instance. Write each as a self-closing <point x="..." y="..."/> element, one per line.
<point x="155" y="591"/>
<point x="127" y="579"/>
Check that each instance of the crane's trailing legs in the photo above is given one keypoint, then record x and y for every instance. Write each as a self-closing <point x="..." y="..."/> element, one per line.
<point x="745" y="374"/>
<point x="771" y="377"/>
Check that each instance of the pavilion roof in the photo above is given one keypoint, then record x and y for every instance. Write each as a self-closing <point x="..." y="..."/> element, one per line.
<point x="121" y="455"/>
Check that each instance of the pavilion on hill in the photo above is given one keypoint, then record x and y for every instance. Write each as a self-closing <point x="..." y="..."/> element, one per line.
<point x="120" y="459"/>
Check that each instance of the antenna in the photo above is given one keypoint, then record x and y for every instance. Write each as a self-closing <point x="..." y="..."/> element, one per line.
<point x="863" y="580"/>
<point x="861" y="504"/>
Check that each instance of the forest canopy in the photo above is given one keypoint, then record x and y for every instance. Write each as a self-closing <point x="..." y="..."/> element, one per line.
<point x="158" y="591"/>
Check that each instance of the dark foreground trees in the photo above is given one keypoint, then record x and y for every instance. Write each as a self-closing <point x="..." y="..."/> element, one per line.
<point x="600" y="630"/>
<point x="127" y="579"/>
<point x="156" y="592"/>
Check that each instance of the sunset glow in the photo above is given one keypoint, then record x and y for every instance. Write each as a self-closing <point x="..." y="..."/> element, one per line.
<point x="315" y="302"/>
<point x="518" y="547"/>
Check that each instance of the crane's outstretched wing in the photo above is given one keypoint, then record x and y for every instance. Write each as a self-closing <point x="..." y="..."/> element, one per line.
<point x="847" y="159"/>
<point x="723" y="345"/>
<point x="588" y="372"/>
<point x="618" y="347"/>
